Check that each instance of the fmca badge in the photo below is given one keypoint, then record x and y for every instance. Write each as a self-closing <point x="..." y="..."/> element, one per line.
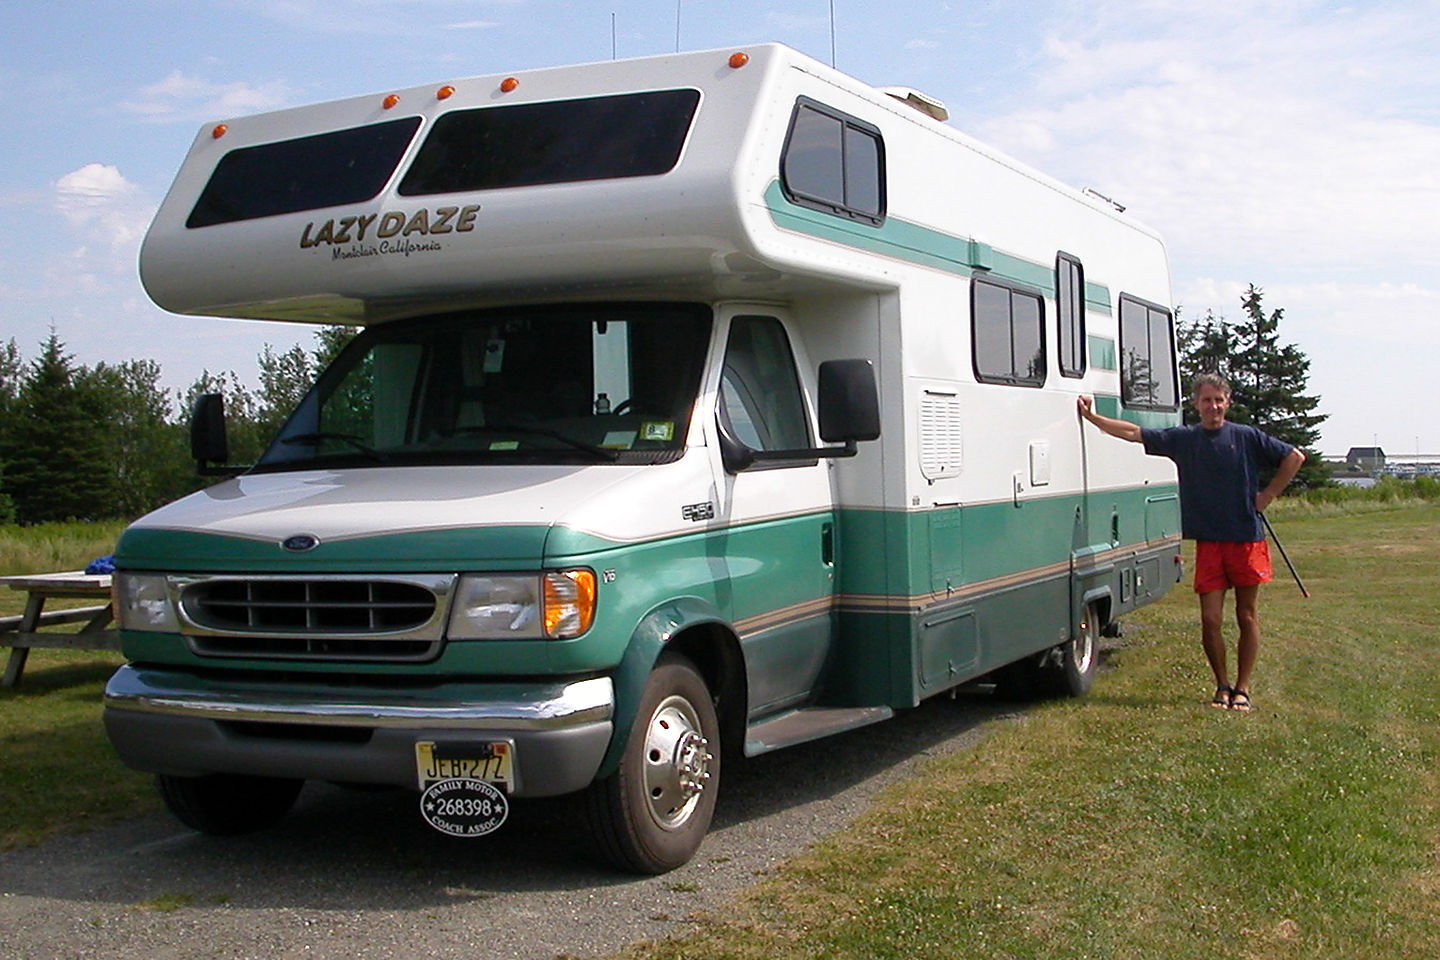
<point x="464" y="808"/>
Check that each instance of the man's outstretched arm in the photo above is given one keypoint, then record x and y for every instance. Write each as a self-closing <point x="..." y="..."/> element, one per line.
<point x="1123" y="429"/>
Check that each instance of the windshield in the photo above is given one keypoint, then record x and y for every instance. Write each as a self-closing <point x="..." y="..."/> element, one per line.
<point x="578" y="384"/>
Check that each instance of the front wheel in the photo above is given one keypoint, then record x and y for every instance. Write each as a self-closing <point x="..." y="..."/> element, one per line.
<point x="228" y="804"/>
<point x="651" y="814"/>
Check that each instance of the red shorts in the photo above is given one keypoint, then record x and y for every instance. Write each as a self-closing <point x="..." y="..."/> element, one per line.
<point x="1220" y="565"/>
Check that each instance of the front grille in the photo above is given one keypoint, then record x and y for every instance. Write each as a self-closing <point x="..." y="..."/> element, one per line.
<point x="316" y="618"/>
<point x="312" y="606"/>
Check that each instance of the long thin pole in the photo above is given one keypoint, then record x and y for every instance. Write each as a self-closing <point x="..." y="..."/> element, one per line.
<point x="1281" y="547"/>
<point x="832" y="34"/>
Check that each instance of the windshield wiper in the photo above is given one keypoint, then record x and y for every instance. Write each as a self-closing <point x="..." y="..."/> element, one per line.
<point x="591" y="449"/>
<point x="348" y="438"/>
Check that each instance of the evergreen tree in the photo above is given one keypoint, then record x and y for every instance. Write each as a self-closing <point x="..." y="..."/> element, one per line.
<point x="1268" y="378"/>
<point x="55" y="449"/>
<point x="12" y="377"/>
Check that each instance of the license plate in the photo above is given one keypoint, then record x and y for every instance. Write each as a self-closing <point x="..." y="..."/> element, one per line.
<point x="492" y="762"/>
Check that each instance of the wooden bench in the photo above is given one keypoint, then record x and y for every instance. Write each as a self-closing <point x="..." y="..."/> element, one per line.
<point x="22" y="633"/>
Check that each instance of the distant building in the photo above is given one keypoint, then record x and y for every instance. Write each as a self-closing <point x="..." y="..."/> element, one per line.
<point x="1365" y="459"/>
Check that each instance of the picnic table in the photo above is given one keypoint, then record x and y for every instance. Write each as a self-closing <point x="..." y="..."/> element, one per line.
<point x="23" y="632"/>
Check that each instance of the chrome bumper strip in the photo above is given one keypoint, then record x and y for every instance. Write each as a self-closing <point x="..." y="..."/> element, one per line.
<point x="470" y="706"/>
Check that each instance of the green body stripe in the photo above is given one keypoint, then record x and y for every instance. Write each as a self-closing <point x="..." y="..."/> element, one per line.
<point x="913" y="243"/>
<point x="1102" y="353"/>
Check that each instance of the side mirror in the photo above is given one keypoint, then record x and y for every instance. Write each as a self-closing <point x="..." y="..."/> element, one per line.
<point x="208" y="441"/>
<point x="849" y="408"/>
<point x="849" y="403"/>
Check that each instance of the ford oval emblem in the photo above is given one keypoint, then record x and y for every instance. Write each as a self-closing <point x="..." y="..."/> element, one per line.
<point x="300" y="542"/>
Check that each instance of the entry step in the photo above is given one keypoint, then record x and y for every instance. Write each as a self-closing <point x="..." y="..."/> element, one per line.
<point x="809" y="723"/>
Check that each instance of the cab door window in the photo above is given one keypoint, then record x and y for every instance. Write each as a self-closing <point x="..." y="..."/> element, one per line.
<point x="760" y="399"/>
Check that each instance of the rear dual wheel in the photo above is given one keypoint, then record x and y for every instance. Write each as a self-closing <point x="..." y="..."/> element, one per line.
<point x="1075" y="673"/>
<point x="1064" y="671"/>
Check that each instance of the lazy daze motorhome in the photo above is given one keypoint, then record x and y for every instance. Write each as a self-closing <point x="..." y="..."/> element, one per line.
<point x="705" y="405"/>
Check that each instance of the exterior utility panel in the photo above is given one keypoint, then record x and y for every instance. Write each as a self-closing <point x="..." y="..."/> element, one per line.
<point x="704" y="405"/>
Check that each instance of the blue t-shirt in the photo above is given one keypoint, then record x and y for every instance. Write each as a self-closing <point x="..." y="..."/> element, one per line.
<point x="1219" y="476"/>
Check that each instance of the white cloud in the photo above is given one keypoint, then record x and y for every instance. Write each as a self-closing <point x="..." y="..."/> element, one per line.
<point x="472" y="25"/>
<point x="108" y="216"/>
<point x="100" y="203"/>
<point x="1236" y="144"/>
<point x="1288" y="143"/>
<point x="181" y="96"/>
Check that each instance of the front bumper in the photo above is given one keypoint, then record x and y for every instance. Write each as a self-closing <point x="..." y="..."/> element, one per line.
<point x="172" y="722"/>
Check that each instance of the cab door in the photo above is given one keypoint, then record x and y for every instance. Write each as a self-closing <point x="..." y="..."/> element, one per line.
<point x="777" y="515"/>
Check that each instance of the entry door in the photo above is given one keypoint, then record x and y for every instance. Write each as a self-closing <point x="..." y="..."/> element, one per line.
<point x="780" y="541"/>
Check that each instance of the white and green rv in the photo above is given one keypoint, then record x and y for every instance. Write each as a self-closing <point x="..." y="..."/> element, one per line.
<point x="705" y="404"/>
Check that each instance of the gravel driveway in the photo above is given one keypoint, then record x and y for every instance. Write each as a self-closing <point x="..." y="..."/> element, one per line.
<point x="353" y="874"/>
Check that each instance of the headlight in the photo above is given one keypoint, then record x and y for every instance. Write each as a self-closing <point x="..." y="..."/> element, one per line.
<point x="142" y="602"/>
<point x="552" y="606"/>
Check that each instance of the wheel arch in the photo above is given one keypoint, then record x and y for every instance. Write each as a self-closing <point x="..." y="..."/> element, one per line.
<point x="695" y="629"/>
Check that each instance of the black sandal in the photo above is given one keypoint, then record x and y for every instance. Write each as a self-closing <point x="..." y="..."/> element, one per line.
<point x="1224" y="696"/>
<point x="1240" y="700"/>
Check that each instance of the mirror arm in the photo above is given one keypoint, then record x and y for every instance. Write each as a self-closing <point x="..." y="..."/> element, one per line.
<point x="807" y="453"/>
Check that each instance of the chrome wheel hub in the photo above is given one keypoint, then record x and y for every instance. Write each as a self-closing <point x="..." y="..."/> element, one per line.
<point x="677" y="762"/>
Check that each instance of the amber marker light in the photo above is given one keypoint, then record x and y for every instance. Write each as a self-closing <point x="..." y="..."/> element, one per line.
<point x="738" y="60"/>
<point x="219" y="131"/>
<point x="445" y="92"/>
<point x="391" y="100"/>
<point x="508" y="85"/>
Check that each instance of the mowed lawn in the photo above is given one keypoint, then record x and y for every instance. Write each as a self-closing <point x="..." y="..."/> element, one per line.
<point x="1137" y="823"/>
<point x="1142" y="823"/>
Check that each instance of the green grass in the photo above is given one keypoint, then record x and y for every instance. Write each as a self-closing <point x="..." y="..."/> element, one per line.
<point x="1142" y="823"/>
<point x="50" y="548"/>
<point x="57" y="771"/>
<point x="1137" y="823"/>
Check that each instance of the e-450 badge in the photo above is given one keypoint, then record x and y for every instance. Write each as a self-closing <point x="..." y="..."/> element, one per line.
<point x="698" y="512"/>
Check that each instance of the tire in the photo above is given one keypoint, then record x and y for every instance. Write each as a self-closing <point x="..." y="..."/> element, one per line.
<point x="1075" y="673"/>
<point x="228" y="804"/>
<point x="651" y="814"/>
<point x="1067" y="670"/>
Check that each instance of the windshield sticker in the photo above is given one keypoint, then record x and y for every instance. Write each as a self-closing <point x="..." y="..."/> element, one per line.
<point x="505" y="445"/>
<point x="661" y="430"/>
<point x="619" y="439"/>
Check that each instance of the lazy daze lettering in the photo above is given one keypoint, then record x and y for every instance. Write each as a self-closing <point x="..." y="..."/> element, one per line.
<point x="393" y="232"/>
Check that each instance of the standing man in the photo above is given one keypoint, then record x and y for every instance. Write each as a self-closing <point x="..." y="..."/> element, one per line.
<point x="1220" y="503"/>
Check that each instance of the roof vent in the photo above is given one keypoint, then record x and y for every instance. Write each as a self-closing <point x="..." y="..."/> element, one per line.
<point x="925" y="104"/>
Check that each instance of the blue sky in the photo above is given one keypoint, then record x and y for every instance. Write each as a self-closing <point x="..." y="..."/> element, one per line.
<point x="1288" y="143"/>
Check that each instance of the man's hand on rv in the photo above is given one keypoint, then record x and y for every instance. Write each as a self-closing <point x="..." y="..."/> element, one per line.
<point x="1123" y="429"/>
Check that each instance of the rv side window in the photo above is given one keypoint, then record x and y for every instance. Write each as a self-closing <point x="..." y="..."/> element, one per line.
<point x="326" y="170"/>
<point x="1147" y="356"/>
<point x="561" y="141"/>
<point x="834" y="162"/>
<point x="1007" y="332"/>
<point x="760" y="389"/>
<point x="1070" y="310"/>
